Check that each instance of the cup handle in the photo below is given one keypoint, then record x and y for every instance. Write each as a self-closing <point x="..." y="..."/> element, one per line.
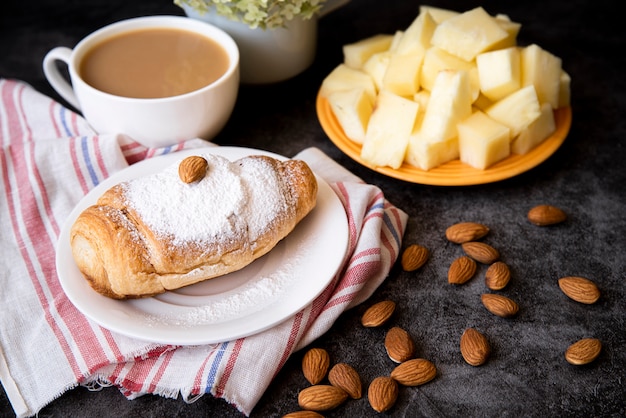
<point x="54" y="77"/>
<point x="331" y="6"/>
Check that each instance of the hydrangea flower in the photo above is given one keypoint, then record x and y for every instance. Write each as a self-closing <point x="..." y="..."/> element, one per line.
<point x="257" y="13"/>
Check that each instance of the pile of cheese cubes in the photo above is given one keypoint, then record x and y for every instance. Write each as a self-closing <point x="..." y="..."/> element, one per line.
<point x="450" y="86"/>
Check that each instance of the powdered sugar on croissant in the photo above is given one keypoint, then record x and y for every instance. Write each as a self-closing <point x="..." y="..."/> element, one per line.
<point x="158" y="233"/>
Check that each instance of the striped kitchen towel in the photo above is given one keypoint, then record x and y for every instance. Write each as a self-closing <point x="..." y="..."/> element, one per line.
<point x="49" y="159"/>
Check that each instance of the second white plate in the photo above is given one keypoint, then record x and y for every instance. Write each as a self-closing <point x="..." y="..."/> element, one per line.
<point x="251" y="300"/>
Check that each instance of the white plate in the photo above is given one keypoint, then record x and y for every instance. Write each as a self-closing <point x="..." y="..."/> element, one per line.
<point x="263" y="294"/>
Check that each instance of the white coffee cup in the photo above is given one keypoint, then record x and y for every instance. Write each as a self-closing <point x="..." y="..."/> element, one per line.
<point x="154" y="122"/>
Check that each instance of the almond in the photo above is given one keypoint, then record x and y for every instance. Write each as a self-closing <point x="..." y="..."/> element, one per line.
<point x="377" y="314"/>
<point x="474" y="347"/>
<point x="481" y="252"/>
<point x="414" y="257"/>
<point x="321" y="397"/>
<point x="497" y="276"/>
<point x="382" y="393"/>
<point x="500" y="305"/>
<point x="315" y="364"/>
<point x="466" y="231"/>
<point x="303" y="414"/>
<point x="580" y="289"/>
<point x="345" y="377"/>
<point x="399" y="345"/>
<point x="461" y="270"/>
<point x="414" y="372"/>
<point x="545" y="215"/>
<point x="583" y="351"/>
<point x="192" y="169"/>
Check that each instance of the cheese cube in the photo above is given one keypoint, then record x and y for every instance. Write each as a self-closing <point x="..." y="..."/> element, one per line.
<point x="565" y="89"/>
<point x="355" y="54"/>
<point x="449" y="103"/>
<point x="439" y="14"/>
<point x="512" y="29"/>
<point x="517" y="110"/>
<point x="483" y="141"/>
<point x="346" y="78"/>
<point x="376" y="67"/>
<point x="543" y="70"/>
<point x="536" y="132"/>
<point x="436" y="60"/>
<point x="353" y="109"/>
<point x="402" y="75"/>
<point x="499" y="72"/>
<point x="468" y="34"/>
<point x="388" y="131"/>
<point x="427" y="155"/>
<point x="416" y="38"/>
<point x="435" y="142"/>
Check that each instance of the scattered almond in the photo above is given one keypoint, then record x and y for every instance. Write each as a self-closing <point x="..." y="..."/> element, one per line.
<point x="345" y="377"/>
<point x="399" y="345"/>
<point x="545" y="215"/>
<point x="497" y="276"/>
<point x="580" y="289"/>
<point x="315" y="364"/>
<point x="481" y="252"/>
<point x="377" y="314"/>
<point x="500" y="305"/>
<point x="465" y="232"/>
<point x="192" y="169"/>
<point x="382" y="393"/>
<point x="583" y="351"/>
<point x="461" y="270"/>
<point x="321" y="397"/>
<point x="475" y="348"/>
<point x="303" y="414"/>
<point x="414" y="372"/>
<point x="414" y="257"/>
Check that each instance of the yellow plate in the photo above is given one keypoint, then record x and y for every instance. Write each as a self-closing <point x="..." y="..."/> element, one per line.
<point x="453" y="173"/>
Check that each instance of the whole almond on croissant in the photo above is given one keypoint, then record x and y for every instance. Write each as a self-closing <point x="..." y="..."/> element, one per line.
<point x="192" y="169"/>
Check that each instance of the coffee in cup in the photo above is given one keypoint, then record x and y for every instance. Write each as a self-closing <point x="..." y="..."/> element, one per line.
<point x="158" y="79"/>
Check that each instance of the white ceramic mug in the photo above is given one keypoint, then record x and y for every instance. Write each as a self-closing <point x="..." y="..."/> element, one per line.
<point x="152" y="122"/>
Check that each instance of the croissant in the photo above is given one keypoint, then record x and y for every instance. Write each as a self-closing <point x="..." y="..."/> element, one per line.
<point x="198" y="219"/>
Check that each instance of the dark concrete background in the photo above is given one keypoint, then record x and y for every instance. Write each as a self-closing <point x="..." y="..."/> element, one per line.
<point x="527" y="374"/>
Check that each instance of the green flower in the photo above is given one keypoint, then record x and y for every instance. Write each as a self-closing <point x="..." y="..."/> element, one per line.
<point x="257" y="13"/>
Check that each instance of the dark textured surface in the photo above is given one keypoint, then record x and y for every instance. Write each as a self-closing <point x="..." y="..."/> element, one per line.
<point x="526" y="374"/>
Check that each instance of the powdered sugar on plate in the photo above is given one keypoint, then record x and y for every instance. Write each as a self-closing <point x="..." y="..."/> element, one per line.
<point x="256" y="294"/>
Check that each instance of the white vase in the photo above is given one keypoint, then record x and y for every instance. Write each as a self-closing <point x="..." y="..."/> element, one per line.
<point x="270" y="55"/>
